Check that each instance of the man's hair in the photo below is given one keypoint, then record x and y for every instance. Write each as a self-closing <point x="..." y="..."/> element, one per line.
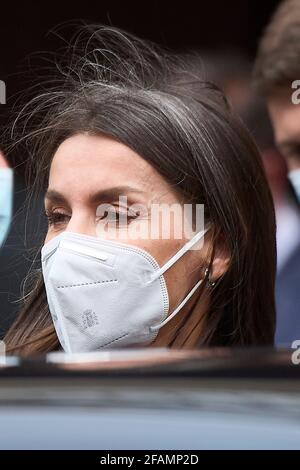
<point x="278" y="59"/>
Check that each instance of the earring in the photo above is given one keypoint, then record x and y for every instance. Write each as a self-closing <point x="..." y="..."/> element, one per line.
<point x="210" y="284"/>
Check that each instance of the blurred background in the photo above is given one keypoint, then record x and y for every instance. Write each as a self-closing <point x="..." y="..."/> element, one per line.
<point x="224" y="35"/>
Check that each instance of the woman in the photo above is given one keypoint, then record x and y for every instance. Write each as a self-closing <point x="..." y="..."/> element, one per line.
<point x="118" y="126"/>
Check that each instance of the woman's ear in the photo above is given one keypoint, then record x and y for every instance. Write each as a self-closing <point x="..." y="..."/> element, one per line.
<point x="219" y="266"/>
<point x="214" y="256"/>
<point x="221" y="260"/>
<point x="217" y="256"/>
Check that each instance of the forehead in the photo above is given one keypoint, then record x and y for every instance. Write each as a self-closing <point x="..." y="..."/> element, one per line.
<point x="87" y="160"/>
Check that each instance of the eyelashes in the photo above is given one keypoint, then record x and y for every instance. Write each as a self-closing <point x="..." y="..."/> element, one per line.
<point x="120" y="218"/>
<point x="56" y="218"/>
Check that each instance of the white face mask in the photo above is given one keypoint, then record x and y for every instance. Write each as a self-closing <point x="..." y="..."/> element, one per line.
<point x="6" y="199"/>
<point x="104" y="294"/>
<point x="294" y="177"/>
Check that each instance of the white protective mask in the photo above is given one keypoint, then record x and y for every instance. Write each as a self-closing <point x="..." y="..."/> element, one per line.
<point x="294" y="177"/>
<point x="105" y="294"/>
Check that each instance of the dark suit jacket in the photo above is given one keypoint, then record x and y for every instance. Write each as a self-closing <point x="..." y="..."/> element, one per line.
<point x="288" y="301"/>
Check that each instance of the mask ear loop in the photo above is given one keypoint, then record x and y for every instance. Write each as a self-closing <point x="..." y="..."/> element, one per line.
<point x="178" y="255"/>
<point x="179" y="307"/>
<point x="167" y="265"/>
<point x="206" y="278"/>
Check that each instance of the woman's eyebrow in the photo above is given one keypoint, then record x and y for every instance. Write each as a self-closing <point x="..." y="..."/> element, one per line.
<point x="114" y="193"/>
<point x="55" y="196"/>
<point x="104" y="194"/>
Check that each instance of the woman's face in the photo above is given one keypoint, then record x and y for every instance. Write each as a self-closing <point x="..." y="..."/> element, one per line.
<point x="89" y="171"/>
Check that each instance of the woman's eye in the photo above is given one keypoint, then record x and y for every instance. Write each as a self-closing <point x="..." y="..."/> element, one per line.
<point x="118" y="218"/>
<point x="56" y="218"/>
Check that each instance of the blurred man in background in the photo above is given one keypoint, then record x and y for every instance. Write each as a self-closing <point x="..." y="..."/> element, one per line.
<point x="277" y="77"/>
<point x="232" y="72"/>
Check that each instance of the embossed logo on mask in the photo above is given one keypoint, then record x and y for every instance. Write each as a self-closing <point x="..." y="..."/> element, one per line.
<point x="89" y="319"/>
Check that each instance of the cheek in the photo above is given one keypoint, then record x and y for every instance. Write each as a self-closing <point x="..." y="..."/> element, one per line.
<point x="185" y="272"/>
<point x="51" y="233"/>
<point x="49" y="236"/>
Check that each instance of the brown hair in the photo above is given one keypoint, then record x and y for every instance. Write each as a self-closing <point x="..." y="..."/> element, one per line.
<point x="121" y="86"/>
<point x="278" y="59"/>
